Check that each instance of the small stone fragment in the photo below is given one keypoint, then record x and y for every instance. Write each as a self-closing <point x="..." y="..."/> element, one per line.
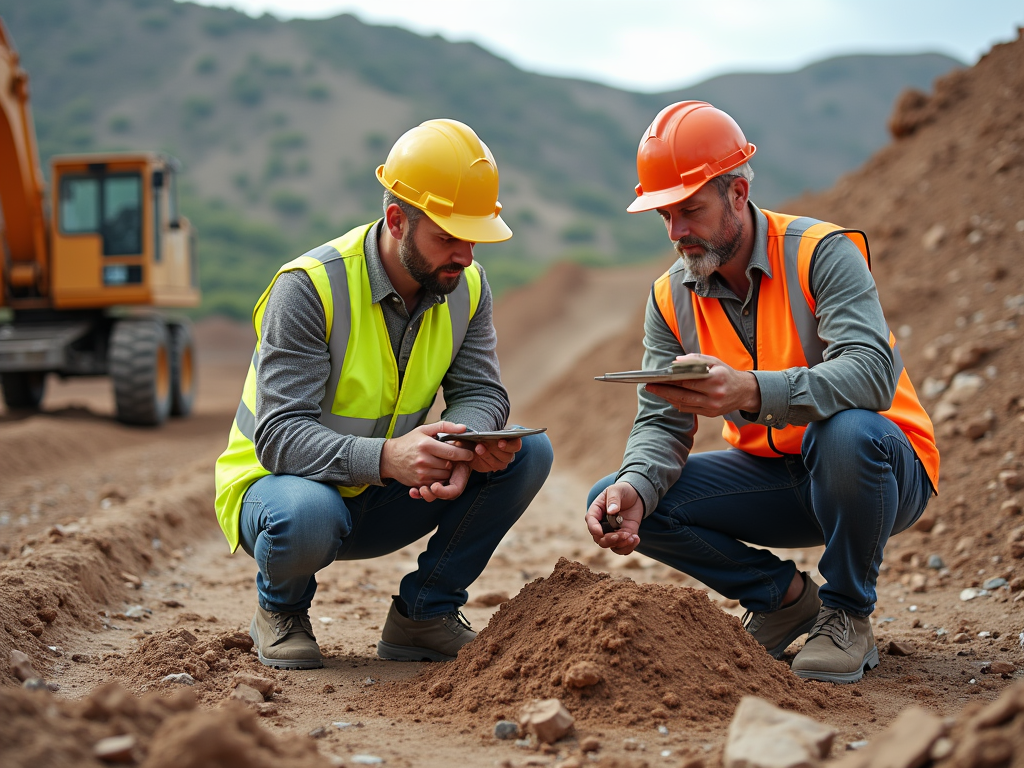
<point x="506" y="729"/>
<point x="763" y="736"/>
<point x="961" y="637"/>
<point x="590" y="744"/>
<point x="925" y="523"/>
<point x="582" y="674"/>
<point x="240" y="640"/>
<point x="21" y="666"/>
<point x="367" y="760"/>
<point x="35" y="684"/>
<point x="1010" y="507"/>
<point x="247" y="694"/>
<point x="262" y="684"/>
<point x="936" y="563"/>
<point x="900" y="648"/>
<point x="918" y="582"/>
<point x="546" y="719"/>
<point x="318" y="733"/>
<point x="115" y="749"/>
<point x="131" y="580"/>
<point x="995" y="583"/>
<point x="172" y="603"/>
<point x="1011" y="479"/>
<point x="182" y="678"/>
<point x="1000" y="668"/>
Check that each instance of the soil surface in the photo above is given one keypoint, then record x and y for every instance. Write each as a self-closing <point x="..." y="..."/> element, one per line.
<point x="116" y="582"/>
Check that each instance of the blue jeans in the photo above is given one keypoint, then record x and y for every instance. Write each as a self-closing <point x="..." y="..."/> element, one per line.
<point x="293" y="527"/>
<point x="856" y="482"/>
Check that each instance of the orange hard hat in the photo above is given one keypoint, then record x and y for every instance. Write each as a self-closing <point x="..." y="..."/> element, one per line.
<point x="687" y="145"/>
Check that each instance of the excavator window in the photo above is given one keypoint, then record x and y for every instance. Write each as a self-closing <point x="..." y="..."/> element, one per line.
<point x="109" y="204"/>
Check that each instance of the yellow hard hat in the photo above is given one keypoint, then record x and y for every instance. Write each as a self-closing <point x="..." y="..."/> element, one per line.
<point x="442" y="168"/>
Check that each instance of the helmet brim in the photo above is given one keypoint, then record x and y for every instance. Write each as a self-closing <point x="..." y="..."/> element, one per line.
<point x="473" y="229"/>
<point x="663" y="198"/>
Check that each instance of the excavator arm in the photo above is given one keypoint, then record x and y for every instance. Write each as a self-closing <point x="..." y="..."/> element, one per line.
<point x="23" y="227"/>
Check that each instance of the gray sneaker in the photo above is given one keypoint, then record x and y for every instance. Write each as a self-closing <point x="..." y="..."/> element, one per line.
<point x="285" y="640"/>
<point x="440" y="639"/>
<point x="777" y="629"/>
<point x="839" y="649"/>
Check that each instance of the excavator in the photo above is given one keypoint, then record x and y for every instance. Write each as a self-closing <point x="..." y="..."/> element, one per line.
<point x="90" y="277"/>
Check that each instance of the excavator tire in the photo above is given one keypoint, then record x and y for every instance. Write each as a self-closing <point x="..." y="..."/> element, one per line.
<point x="140" y="365"/>
<point x="183" y="371"/>
<point x="23" y="391"/>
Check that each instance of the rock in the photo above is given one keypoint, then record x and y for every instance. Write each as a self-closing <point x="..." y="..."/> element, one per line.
<point x="264" y="685"/>
<point x="904" y="744"/>
<point x="266" y="709"/>
<point x="172" y="603"/>
<point x="968" y="355"/>
<point x="978" y="427"/>
<point x="131" y="580"/>
<point x="995" y="583"/>
<point x="367" y="760"/>
<point x="925" y="523"/>
<point x="21" y="666"/>
<point x="963" y="388"/>
<point x="590" y="744"/>
<point x="581" y="674"/>
<point x="918" y="582"/>
<point x="961" y="638"/>
<point x="1010" y="507"/>
<point x="240" y="640"/>
<point x="1000" y="668"/>
<point x="764" y="736"/>
<point x="933" y="238"/>
<point x="936" y="563"/>
<point x="944" y="412"/>
<point x="546" y="719"/>
<point x="115" y="749"/>
<point x="1011" y="479"/>
<point x="900" y="648"/>
<point x="35" y="684"/>
<point x="247" y="694"/>
<point x="182" y="678"/>
<point x="506" y="729"/>
<point x="970" y="593"/>
<point x="318" y="733"/>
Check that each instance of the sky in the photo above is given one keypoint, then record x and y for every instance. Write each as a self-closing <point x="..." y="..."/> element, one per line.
<point x="657" y="45"/>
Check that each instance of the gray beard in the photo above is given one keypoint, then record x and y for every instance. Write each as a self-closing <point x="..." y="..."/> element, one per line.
<point x="718" y="251"/>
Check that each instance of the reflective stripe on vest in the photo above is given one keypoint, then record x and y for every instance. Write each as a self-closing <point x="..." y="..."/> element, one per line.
<point x="362" y="396"/>
<point x="785" y="316"/>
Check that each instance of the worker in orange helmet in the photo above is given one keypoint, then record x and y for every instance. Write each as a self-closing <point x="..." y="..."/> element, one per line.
<point x="830" y="443"/>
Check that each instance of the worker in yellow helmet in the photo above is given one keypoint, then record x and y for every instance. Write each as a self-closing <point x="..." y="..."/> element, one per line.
<point x="830" y="444"/>
<point x="329" y="457"/>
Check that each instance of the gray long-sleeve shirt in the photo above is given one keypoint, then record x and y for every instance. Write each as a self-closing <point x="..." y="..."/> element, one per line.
<point x="295" y="363"/>
<point x="858" y="369"/>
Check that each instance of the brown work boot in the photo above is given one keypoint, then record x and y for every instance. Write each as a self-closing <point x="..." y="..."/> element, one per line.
<point x="404" y="639"/>
<point x="284" y="640"/>
<point x="777" y="629"/>
<point x="839" y="649"/>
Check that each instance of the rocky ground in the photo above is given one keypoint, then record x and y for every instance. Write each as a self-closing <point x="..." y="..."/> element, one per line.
<point x="117" y="586"/>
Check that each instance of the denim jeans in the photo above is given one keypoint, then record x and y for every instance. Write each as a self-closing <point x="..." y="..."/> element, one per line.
<point x="856" y="483"/>
<point x="293" y="527"/>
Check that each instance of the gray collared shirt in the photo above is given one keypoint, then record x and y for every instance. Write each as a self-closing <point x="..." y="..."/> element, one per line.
<point x="858" y="369"/>
<point x="295" y="363"/>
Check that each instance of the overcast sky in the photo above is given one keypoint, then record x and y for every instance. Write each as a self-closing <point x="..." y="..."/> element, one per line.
<point x="654" y="45"/>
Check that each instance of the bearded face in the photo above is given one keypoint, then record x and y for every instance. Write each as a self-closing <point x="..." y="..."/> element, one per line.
<point x="419" y="266"/>
<point x="716" y="252"/>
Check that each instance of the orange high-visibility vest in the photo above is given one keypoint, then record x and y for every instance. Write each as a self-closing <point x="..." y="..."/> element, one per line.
<point x="786" y="336"/>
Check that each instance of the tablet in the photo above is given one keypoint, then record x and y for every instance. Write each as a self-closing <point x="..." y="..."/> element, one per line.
<point x="483" y="437"/>
<point x="674" y="372"/>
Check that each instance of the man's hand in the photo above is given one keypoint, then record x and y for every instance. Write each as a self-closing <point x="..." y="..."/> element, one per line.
<point x="492" y="455"/>
<point x="724" y="391"/>
<point x="423" y="463"/>
<point x="618" y="499"/>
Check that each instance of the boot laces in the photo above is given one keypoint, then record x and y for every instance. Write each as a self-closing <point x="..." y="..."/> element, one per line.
<point x="289" y="623"/>
<point x="752" y="620"/>
<point x="834" y="623"/>
<point x="456" y="618"/>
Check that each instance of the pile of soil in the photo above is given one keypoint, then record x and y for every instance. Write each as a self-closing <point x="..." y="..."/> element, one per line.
<point x="613" y="651"/>
<point x="988" y="735"/>
<point x="37" y="729"/>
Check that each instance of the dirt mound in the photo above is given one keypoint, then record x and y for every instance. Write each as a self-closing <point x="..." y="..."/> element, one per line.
<point x="155" y="732"/>
<point x="613" y="651"/>
<point x="989" y="734"/>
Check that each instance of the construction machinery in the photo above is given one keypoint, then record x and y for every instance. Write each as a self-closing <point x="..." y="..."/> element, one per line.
<point x="89" y="275"/>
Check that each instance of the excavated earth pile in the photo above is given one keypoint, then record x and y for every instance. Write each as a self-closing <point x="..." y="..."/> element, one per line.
<point x="613" y="651"/>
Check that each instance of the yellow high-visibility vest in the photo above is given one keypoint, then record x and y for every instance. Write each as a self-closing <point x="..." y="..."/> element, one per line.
<point x="363" y="396"/>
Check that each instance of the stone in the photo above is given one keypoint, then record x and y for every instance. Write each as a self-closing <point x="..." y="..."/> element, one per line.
<point x="1000" y="668"/>
<point x="961" y="637"/>
<point x="240" y="640"/>
<point x="1010" y="507"/>
<point x="980" y="426"/>
<point x="131" y="580"/>
<point x="115" y="749"/>
<point x="506" y="729"/>
<point x="900" y="648"/>
<point x="1011" y="479"/>
<point x="995" y="583"/>
<point x="934" y="237"/>
<point x="906" y="743"/>
<point x="247" y="694"/>
<point x="182" y="678"/>
<point x="918" y="582"/>
<point x="264" y="685"/>
<point x="970" y="593"/>
<point x="35" y="684"/>
<point x="590" y="744"/>
<point x="367" y="760"/>
<point x="963" y="388"/>
<point x="21" y="666"/>
<point x="318" y="733"/>
<point x="547" y="719"/>
<point x="936" y="563"/>
<point x="763" y="736"/>
<point x="582" y="674"/>
<point x="925" y="523"/>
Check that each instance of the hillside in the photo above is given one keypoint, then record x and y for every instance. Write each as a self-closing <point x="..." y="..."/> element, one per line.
<point x="281" y="123"/>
